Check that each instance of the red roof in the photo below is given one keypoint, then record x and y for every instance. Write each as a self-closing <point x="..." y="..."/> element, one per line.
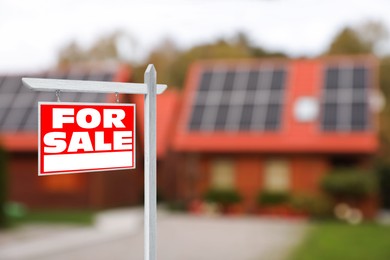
<point x="167" y="107"/>
<point x="304" y="78"/>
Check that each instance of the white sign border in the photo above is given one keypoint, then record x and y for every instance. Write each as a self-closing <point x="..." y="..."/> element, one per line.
<point x="85" y="104"/>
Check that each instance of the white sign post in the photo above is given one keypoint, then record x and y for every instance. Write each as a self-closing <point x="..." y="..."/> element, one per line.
<point x="150" y="223"/>
<point x="149" y="88"/>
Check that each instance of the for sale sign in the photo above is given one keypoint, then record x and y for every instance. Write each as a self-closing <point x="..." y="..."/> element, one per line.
<point x="80" y="137"/>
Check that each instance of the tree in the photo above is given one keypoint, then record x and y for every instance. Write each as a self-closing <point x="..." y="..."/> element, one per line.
<point x="361" y="39"/>
<point x="104" y="50"/>
<point x="348" y="42"/>
<point x="162" y="57"/>
<point x="70" y="54"/>
<point x="372" y="34"/>
<point x="174" y="64"/>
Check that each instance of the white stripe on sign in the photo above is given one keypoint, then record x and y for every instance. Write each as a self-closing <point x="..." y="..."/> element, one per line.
<point x="87" y="161"/>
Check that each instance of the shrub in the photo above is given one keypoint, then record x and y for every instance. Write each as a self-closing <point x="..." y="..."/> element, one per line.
<point x="349" y="183"/>
<point x="314" y="205"/>
<point x="272" y="198"/>
<point x="223" y="197"/>
<point x="176" y="206"/>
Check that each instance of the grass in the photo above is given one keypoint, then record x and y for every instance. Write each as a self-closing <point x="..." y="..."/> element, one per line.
<point x="55" y="217"/>
<point x="334" y="240"/>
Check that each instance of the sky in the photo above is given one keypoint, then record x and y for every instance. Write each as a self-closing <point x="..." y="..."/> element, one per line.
<point x="33" y="31"/>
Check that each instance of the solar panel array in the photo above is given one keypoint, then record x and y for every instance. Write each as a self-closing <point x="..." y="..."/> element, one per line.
<point x="239" y="99"/>
<point x="19" y="104"/>
<point x="345" y="98"/>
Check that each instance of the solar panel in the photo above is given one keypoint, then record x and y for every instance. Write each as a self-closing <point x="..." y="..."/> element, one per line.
<point x="238" y="99"/>
<point x="19" y="105"/>
<point x="345" y="103"/>
<point x="246" y="117"/>
<point x="252" y="80"/>
<point x="359" y="77"/>
<point x="6" y="100"/>
<point x="14" y="119"/>
<point x="332" y="75"/>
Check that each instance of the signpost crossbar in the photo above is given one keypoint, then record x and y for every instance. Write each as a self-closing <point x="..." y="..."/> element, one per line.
<point x="39" y="84"/>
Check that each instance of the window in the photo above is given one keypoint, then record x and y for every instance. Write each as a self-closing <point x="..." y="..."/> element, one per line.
<point x="277" y="175"/>
<point x="222" y="174"/>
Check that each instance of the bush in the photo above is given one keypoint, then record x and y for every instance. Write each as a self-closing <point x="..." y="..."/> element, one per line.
<point x="316" y="206"/>
<point x="349" y="183"/>
<point x="176" y="206"/>
<point x="223" y="197"/>
<point x="272" y="198"/>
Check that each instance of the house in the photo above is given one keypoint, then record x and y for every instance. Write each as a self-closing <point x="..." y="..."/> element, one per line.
<point x="168" y="105"/>
<point x="277" y="125"/>
<point x="18" y="136"/>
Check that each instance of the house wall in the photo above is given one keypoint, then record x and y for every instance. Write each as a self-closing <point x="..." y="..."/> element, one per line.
<point x="26" y="187"/>
<point x="115" y="188"/>
<point x="82" y="190"/>
<point x="306" y="172"/>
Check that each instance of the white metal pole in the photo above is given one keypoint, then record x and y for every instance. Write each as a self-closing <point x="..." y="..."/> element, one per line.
<point x="150" y="225"/>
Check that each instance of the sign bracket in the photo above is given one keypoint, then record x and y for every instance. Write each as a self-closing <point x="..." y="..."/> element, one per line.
<point x="63" y="85"/>
<point x="150" y="89"/>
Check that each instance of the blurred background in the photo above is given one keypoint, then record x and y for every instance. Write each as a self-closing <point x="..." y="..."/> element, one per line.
<point x="273" y="139"/>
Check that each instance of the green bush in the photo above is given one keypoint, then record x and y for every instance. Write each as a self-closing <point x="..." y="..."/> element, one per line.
<point x="176" y="206"/>
<point x="3" y="189"/>
<point x="349" y="183"/>
<point x="272" y="198"/>
<point x="223" y="197"/>
<point x="314" y="205"/>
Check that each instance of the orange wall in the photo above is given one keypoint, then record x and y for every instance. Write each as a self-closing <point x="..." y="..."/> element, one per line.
<point x="82" y="190"/>
<point x="249" y="179"/>
<point x="307" y="172"/>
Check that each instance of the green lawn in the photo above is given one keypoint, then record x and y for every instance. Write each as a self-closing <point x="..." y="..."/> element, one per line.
<point x="55" y="216"/>
<point x="334" y="241"/>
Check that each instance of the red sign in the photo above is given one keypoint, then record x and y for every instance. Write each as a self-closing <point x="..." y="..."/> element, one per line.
<point x="84" y="137"/>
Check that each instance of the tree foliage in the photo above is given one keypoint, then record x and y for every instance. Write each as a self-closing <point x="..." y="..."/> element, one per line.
<point x="361" y="39"/>
<point x="372" y="34"/>
<point x="106" y="49"/>
<point x="172" y="64"/>
<point x="348" y="41"/>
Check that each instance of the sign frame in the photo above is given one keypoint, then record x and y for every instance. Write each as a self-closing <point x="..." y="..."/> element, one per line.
<point x="149" y="89"/>
<point x="134" y="139"/>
